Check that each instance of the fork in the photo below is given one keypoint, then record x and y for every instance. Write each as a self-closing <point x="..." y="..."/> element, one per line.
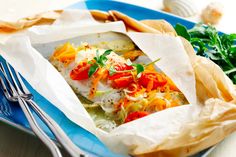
<point x="27" y="97"/>
<point x="13" y="95"/>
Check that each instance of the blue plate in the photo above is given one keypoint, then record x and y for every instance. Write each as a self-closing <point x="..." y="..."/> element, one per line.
<point x="12" y="114"/>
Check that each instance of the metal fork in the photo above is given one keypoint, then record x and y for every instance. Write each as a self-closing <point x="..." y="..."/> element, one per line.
<point x="25" y="95"/>
<point x="14" y="95"/>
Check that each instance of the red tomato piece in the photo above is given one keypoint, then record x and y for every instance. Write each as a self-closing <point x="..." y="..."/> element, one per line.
<point x="158" y="79"/>
<point x="80" y="72"/>
<point x="134" y="87"/>
<point x="121" y="79"/>
<point x="121" y="67"/>
<point x="119" y="75"/>
<point x="135" y="115"/>
<point x="122" y="82"/>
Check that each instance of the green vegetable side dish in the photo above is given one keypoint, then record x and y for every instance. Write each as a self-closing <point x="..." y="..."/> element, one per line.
<point x="220" y="48"/>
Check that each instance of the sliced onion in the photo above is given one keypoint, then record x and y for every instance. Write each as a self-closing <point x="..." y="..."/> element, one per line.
<point x="127" y="91"/>
<point x="107" y="108"/>
<point x="104" y="124"/>
<point x="140" y="97"/>
<point x="161" y="96"/>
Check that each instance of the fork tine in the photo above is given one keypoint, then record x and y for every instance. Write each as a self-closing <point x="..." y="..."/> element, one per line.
<point x="22" y="83"/>
<point x="2" y="68"/>
<point x="14" y="80"/>
<point x="5" y="91"/>
<point x="12" y="89"/>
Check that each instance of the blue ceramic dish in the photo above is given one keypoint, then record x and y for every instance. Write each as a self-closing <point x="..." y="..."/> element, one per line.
<point x="12" y="114"/>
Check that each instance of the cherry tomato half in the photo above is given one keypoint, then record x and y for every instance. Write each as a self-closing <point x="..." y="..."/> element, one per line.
<point x="80" y="72"/>
<point x="158" y="79"/>
<point x="123" y="79"/>
<point x="119" y="75"/>
<point x="121" y="67"/>
<point x="122" y="82"/>
<point x="135" y="115"/>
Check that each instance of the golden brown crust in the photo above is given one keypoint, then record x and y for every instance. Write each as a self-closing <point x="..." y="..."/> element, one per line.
<point x="112" y="16"/>
<point x="39" y="19"/>
<point x="47" y="18"/>
<point x="100" y="15"/>
<point x="132" y="23"/>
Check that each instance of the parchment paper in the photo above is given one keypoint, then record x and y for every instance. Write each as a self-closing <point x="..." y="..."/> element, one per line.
<point x="12" y="10"/>
<point x="177" y="131"/>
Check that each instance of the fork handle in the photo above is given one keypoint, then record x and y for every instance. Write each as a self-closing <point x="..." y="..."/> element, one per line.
<point x="60" y="135"/>
<point x="37" y="130"/>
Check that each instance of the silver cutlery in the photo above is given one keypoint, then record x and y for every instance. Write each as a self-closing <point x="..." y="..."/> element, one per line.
<point x="13" y="95"/>
<point x="20" y="93"/>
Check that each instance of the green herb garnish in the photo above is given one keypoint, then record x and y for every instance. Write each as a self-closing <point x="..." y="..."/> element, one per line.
<point x="112" y="71"/>
<point x="100" y="61"/>
<point x="93" y="69"/>
<point x="139" y="68"/>
<point x="218" y="47"/>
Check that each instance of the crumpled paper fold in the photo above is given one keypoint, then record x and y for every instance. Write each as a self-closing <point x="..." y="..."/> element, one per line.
<point x="178" y="131"/>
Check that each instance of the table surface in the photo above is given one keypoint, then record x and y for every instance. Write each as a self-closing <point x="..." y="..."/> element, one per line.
<point x="15" y="143"/>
